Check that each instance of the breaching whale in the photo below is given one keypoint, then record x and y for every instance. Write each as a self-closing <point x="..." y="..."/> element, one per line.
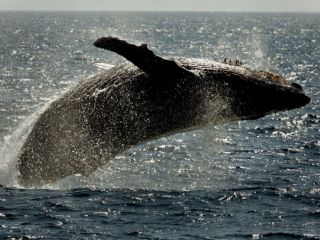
<point x="143" y="100"/>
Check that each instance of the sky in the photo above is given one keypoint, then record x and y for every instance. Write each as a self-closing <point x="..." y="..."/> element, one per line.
<point x="163" y="5"/>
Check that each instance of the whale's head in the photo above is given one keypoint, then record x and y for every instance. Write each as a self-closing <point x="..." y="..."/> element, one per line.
<point x="227" y="92"/>
<point x="219" y="93"/>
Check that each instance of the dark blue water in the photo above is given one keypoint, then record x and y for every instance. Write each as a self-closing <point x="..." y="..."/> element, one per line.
<point x="248" y="180"/>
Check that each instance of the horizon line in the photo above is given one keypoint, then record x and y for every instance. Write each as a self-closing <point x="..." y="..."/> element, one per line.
<point x="163" y="11"/>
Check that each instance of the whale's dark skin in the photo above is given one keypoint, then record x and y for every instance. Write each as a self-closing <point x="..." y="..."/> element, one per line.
<point x="134" y="103"/>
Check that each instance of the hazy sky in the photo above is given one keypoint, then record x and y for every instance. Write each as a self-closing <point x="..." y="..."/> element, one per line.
<point x="164" y="5"/>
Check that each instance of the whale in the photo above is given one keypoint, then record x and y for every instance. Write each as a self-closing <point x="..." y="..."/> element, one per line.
<point x="145" y="98"/>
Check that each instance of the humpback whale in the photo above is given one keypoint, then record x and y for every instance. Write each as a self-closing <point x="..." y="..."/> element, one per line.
<point x="146" y="98"/>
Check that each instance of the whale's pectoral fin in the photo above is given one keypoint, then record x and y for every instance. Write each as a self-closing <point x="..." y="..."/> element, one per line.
<point x="142" y="57"/>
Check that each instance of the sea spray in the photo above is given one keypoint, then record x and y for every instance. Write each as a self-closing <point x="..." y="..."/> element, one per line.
<point x="10" y="148"/>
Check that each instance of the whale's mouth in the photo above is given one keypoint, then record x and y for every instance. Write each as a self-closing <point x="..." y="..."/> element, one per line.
<point x="300" y="99"/>
<point x="293" y="94"/>
<point x="279" y="98"/>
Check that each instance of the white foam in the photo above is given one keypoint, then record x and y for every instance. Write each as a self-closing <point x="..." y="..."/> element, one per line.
<point x="10" y="149"/>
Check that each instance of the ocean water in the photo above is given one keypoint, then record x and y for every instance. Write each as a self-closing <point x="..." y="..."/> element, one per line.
<point x="244" y="180"/>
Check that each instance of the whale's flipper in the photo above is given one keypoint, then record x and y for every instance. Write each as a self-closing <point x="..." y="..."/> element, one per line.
<point x="143" y="58"/>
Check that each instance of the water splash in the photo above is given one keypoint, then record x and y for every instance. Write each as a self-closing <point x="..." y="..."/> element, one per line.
<point x="10" y="148"/>
<point x="258" y="54"/>
<point x="186" y="161"/>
